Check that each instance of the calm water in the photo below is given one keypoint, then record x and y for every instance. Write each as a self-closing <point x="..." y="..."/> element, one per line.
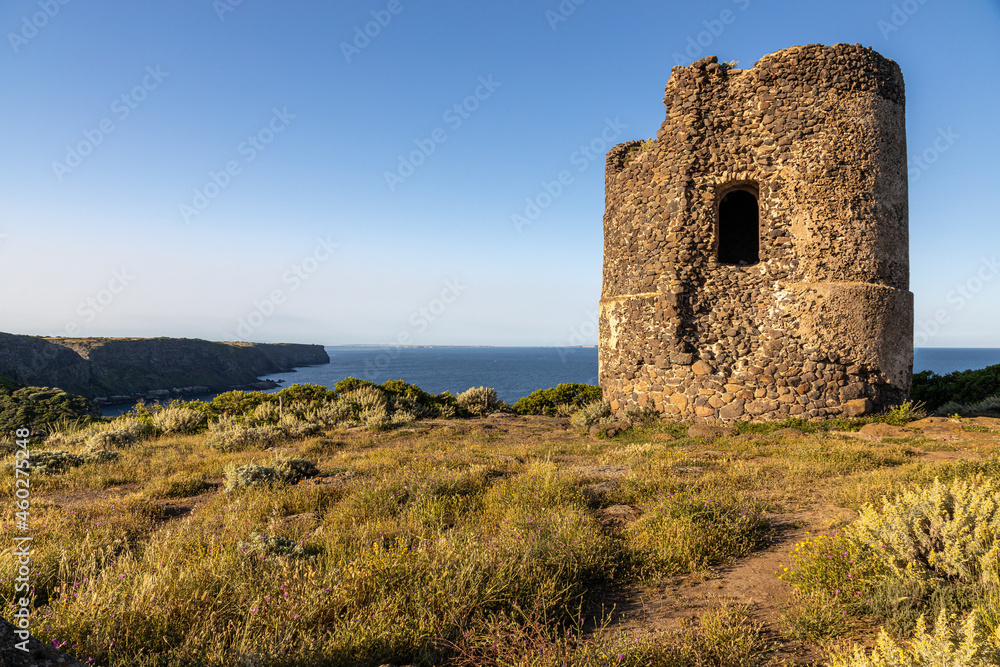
<point x="943" y="360"/>
<point x="513" y="371"/>
<point x="517" y="371"/>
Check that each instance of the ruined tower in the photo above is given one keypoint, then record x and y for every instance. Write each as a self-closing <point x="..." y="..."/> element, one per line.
<point x="756" y="260"/>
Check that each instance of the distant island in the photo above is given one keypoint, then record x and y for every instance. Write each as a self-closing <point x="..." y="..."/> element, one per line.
<point x="113" y="370"/>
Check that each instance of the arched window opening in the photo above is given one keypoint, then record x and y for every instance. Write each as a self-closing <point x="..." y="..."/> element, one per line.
<point x="739" y="229"/>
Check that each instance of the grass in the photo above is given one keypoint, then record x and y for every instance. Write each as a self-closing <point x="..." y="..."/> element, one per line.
<point x="450" y="542"/>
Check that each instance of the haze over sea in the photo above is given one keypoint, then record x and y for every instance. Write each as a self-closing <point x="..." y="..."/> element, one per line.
<point x="517" y="371"/>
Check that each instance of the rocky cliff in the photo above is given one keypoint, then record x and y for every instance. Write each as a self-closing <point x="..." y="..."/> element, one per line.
<point x="127" y="367"/>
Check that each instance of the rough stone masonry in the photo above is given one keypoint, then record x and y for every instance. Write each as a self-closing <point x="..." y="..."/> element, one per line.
<point x="756" y="260"/>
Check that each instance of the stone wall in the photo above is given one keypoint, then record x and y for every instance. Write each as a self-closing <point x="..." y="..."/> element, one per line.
<point x="823" y="323"/>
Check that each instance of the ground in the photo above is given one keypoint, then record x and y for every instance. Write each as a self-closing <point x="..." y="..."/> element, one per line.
<point x="806" y="483"/>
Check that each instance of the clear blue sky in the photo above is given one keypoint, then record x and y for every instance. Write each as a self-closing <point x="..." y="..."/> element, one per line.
<point x="114" y="113"/>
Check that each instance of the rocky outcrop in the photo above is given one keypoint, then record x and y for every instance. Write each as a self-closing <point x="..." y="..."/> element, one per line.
<point x="126" y="367"/>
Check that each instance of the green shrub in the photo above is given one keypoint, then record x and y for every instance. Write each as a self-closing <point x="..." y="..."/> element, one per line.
<point x="111" y="439"/>
<point x="592" y="413"/>
<point x="57" y="461"/>
<point x="177" y="419"/>
<point x="641" y="416"/>
<point x="544" y="401"/>
<point x="288" y="471"/>
<point x="479" y="401"/>
<point x="41" y="409"/>
<point x="365" y="398"/>
<point x="963" y="387"/>
<point x="236" y="403"/>
<point x="947" y="531"/>
<point x="989" y="407"/>
<point x="309" y="395"/>
<point x="248" y="476"/>
<point x="351" y="384"/>
<point x="292" y="471"/>
<point x="240" y="438"/>
<point x="376" y="417"/>
<point x="953" y="644"/>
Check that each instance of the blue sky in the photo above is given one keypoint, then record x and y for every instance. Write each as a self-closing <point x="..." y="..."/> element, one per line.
<point x="218" y="170"/>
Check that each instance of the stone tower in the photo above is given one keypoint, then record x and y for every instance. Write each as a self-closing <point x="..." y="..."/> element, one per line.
<point x="756" y="260"/>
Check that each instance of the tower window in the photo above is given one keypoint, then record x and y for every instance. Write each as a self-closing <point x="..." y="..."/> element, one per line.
<point x="739" y="228"/>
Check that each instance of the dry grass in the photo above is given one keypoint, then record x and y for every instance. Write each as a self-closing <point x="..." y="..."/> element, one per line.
<point x="459" y="542"/>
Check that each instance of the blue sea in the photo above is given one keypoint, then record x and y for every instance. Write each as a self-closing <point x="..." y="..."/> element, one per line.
<point x="517" y="371"/>
<point x="512" y="371"/>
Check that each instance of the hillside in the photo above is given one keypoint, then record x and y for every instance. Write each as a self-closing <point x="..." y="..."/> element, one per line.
<point x="128" y="367"/>
<point x="240" y="532"/>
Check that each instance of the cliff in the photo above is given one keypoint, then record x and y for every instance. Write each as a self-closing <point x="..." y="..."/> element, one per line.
<point x="127" y="367"/>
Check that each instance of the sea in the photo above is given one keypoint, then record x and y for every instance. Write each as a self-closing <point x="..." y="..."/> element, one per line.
<point x="516" y="371"/>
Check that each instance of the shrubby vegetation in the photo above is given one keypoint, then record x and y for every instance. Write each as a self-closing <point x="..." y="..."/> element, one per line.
<point x="931" y="551"/>
<point x="561" y="399"/>
<point x="41" y="409"/>
<point x="965" y="388"/>
<point x="480" y="543"/>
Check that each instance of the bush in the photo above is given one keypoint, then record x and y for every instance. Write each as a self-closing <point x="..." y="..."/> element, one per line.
<point x="964" y="644"/>
<point x="236" y="403"/>
<point x="52" y="462"/>
<point x="289" y="471"/>
<point x="544" y="401"/>
<point x="177" y="419"/>
<point x="597" y="412"/>
<point x="989" y="407"/>
<point x="641" y="416"/>
<point x="111" y="439"/>
<point x="311" y="396"/>
<point x="479" y="401"/>
<point x="366" y="398"/>
<point x="240" y="438"/>
<point x="41" y="409"/>
<point x="292" y="471"/>
<point x="334" y="414"/>
<point x="948" y="531"/>
<point x="376" y="417"/>
<point x="963" y="387"/>
<point x="249" y="475"/>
